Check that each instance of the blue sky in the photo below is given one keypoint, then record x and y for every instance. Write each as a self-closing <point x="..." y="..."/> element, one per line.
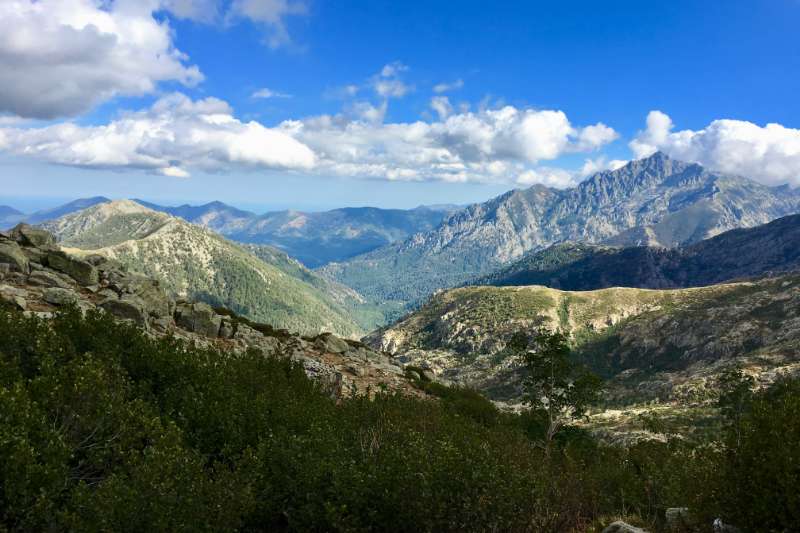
<point x="537" y="92"/>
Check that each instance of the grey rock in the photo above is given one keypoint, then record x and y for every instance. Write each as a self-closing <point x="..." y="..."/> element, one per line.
<point x="81" y="271"/>
<point x="59" y="296"/>
<point x="622" y="527"/>
<point x="12" y="254"/>
<point x="46" y="278"/>
<point x="35" y="255"/>
<point x="128" y="307"/>
<point x="27" y="235"/>
<point x="198" y="317"/>
<point x="162" y="324"/>
<point x="108" y="294"/>
<point x="331" y="344"/>
<point x="14" y="296"/>
<point x="156" y="302"/>
<point x="358" y="371"/>
<point x="227" y="329"/>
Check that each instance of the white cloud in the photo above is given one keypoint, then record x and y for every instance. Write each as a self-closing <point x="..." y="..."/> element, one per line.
<point x="63" y="57"/>
<point x="551" y="177"/>
<point x="387" y="84"/>
<point x="175" y="135"/>
<point x="440" y="88"/>
<point x="769" y="154"/>
<point x="496" y="145"/>
<point x="441" y="104"/>
<point x="599" y="164"/>
<point x="206" y="11"/>
<point x="269" y="93"/>
<point x="269" y="13"/>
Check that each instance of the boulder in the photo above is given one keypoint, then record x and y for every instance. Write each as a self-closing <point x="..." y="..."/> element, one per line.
<point x="27" y="235"/>
<point x="129" y="307"/>
<point x="59" y="296"/>
<point x="12" y="254"/>
<point x="14" y="296"/>
<point x="622" y="527"/>
<point x="331" y="344"/>
<point x="47" y="278"/>
<point x="81" y="271"/>
<point x="198" y="317"/>
<point x="156" y="302"/>
<point x="35" y="255"/>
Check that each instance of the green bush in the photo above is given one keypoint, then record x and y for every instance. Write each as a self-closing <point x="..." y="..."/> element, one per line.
<point x="104" y="428"/>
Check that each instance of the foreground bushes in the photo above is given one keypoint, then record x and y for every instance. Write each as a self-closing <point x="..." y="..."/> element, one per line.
<point x="102" y="428"/>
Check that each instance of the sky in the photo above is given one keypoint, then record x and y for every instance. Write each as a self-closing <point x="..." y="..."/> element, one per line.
<point x="314" y="104"/>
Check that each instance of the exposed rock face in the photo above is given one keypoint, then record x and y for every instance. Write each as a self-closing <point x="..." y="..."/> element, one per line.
<point x="33" y="237"/>
<point x="12" y="255"/>
<point x="127" y="307"/>
<point x="103" y="284"/>
<point x="59" y="296"/>
<point x="678" y="203"/>
<point x="48" y="278"/>
<point x="81" y="271"/>
<point x="199" y="318"/>
<point x="736" y="254"/>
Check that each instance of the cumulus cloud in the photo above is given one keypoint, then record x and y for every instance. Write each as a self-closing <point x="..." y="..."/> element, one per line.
<point x="440" y="88"/>
<point x="206" y="11"/>
<point x="172" y="137"/>
<point x="491" y="145"/>
<point x="599" y="164"/>
<point x="269" y="93"/>
<point x="62" y="57"/>
<point x="769" y="154"/>
<point x="270" y="14"/>
<point x="388" y="84"/>
<point x="442" y="106"/>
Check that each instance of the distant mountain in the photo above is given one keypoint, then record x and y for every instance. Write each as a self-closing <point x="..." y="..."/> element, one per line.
<point x="56" y="212"/>
<point x="735" y="254"/>
<point x="9" y="216"/>
<point x="196" y="263"/>
<point x="314" y="239"/>
<point x="675" y="202"/>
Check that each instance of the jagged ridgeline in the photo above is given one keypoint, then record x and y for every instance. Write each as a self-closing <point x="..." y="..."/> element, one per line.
<point x="741" y="253"/>
<point x="261" y="283"/>
<point x="655" y="201"/>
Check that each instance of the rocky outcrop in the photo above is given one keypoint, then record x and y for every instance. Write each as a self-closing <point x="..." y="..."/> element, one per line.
<point x="94" y="282"/>
<point x="81" y="271"/>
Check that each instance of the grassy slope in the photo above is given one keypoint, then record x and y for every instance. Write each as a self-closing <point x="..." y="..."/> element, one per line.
<point x="651" y="344"/>
<point x="197" y="263"/>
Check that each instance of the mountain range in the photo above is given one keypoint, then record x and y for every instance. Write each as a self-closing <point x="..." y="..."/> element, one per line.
<point x="741" y="253"/>
<point x="652" y="201"/>
<point x="192" y="262"/>
<point x="313" y="238"/>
